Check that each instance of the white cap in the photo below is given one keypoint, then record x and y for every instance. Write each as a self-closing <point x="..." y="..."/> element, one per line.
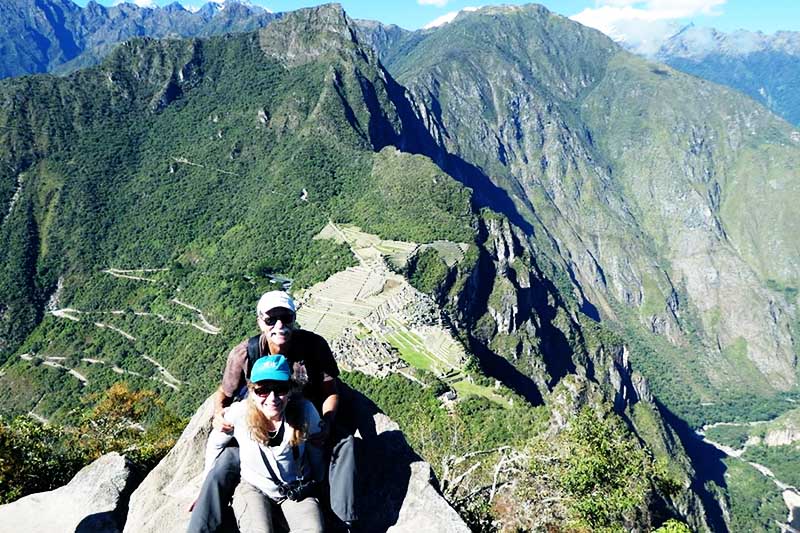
<point x="273" y="299"/>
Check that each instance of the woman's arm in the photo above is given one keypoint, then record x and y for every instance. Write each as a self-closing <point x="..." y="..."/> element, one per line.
<point x="217" y="440"/>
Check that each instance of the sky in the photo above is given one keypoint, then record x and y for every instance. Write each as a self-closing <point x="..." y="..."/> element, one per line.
<point x="609" y="16"/>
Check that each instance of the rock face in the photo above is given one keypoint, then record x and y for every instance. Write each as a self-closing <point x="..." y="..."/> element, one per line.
<point x="94" y="501"/>
<point x="60" y="35"/>
<point x="399" y="491"/>
<point x="646" y="219"/>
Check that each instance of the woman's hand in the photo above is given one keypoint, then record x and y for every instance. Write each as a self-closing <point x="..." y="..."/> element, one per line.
<point x="220" y="424"/>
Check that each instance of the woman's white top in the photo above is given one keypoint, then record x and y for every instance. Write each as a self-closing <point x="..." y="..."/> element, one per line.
<point x="280" y="457"/>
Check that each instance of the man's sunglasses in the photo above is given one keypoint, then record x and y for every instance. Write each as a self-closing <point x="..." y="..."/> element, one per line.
<point x="280" y="389"/>
<point x="285" y="318"/>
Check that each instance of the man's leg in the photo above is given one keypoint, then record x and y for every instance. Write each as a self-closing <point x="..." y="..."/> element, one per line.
<point x="209" y="511"/>
<point x="342" y="479"/>
<point x="304" y="516"/>
<point x="253" y="510"/>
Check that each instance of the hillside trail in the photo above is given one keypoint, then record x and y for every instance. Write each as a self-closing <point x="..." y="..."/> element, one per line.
<point x="14" y="198"/>
<point x="790" y="493"/>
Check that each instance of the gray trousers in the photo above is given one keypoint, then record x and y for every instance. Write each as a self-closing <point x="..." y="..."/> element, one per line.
<point x="254" y="512"/>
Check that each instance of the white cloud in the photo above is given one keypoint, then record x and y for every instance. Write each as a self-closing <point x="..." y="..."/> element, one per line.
<point x="437" y="3"/>
<point x="616" y="18"/>
<point x="141" y="3"/>
<point x="446" y="18"/>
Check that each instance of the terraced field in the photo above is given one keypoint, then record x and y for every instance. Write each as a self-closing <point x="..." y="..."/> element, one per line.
<point x="375" y="302"/>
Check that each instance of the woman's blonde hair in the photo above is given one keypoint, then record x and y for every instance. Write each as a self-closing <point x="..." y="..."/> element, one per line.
<point x="294" y="416"/>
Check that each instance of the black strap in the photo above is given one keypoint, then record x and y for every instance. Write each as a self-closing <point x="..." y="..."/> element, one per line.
<point x="275" y="478"/>
<point x="253" y="353"/>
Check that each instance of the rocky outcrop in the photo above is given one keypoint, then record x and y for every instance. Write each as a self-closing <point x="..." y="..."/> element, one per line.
<point x="647" y="220"/>
<point x="781" y="437"/>
<point x="94" y="501"/>
<point x="399" y="488"/>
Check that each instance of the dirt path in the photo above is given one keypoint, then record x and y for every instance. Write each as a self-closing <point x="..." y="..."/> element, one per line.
<point x="113" y="328"/>
<point x="127" y="274"/>
<point x="67" y="313"/>
<point x="206" y="326"/>
<point x="38" y="418"/>
<point x="163" y="370"/>
<point x="184" y="161"/>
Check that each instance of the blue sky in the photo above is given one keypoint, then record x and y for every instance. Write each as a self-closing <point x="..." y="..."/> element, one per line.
<point x="727" y="15"/>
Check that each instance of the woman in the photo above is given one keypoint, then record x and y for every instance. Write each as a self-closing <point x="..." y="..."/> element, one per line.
<point x="277" y="466"/>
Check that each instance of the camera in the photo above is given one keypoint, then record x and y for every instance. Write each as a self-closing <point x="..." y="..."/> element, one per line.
<point x="297" y="490"/>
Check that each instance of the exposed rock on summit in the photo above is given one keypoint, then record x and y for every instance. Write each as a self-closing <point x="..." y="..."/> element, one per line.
<point x="94" y="501"/>
<point x="398" y="487"/>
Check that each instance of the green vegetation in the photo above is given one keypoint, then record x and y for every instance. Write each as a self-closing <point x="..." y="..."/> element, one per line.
<point x="595" y="471"/>
<point x="427" y="271"/>
<point x="730" y="435"/>
<point x="194" y="160"/>
<point x="606" y="473"/>
<point x="467" y="388"/>
<point x="36" y="457"/>
<point x="755" y="502"/>
<point x="593" y="476"/>
<point x="783" y="461"/>
<point x="33" y="458"/>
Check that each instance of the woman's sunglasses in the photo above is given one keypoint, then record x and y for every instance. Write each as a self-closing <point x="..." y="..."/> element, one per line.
<point x="280" y="389"/>
<point x="285" y="318"/>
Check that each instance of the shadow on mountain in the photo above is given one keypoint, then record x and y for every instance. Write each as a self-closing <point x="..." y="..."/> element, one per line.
<point x="708" y="465"/>
<point x="416" y="139"/>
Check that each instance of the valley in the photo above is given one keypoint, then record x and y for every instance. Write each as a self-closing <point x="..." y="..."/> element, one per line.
<point x="548" y="260"/>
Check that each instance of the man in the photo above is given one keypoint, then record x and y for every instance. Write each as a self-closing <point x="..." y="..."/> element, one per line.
<point x="313" y="364"/>
<point x="309" y="354"/>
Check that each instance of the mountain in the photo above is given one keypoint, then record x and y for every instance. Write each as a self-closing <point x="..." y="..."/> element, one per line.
<point x="510" y="207"/>
<point x="633" y="179"/>
<point x="60" y="36"/>
<point x="764" y="67"/>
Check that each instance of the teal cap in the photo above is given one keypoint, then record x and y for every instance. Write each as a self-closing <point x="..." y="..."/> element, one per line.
<point x="272" y="367"/>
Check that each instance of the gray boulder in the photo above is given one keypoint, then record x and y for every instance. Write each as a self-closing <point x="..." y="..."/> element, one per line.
<point x="399" y="489"/>
<point x="94" y="501"/>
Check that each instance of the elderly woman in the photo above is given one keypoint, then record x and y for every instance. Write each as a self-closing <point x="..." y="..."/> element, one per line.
<point x="278" y="468"/>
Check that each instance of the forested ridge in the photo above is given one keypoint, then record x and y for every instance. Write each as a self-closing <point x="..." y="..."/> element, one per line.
<point x="151" y="199"/>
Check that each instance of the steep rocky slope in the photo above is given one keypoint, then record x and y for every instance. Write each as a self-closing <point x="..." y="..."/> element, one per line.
<point x="59" y="35"/>
<point x="633" y="178"/>
<point x="150" y="200"/>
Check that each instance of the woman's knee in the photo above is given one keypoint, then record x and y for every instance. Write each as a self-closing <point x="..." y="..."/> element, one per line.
<point x="304" y="516"/>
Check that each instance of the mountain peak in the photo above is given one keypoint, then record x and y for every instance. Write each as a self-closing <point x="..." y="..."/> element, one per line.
<point x="304" y="35"/>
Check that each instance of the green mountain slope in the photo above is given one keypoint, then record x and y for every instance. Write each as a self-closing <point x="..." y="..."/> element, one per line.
<point x="151" y="199"/>
<point x="61" y="36"/>
<point x="638" y="177"/>
<point x="192" y="156"/>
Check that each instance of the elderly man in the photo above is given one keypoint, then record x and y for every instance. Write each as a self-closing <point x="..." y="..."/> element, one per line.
<point x="313" y="365"/>
<point x="310" y="355"/>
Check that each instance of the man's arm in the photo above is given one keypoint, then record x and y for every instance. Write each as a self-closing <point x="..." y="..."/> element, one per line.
<point x="330" y="405"/>
<point x="232" y="380"/>
<point x="221" y="401"/>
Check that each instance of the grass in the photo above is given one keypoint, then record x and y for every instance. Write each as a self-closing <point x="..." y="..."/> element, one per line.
<point x="465" y="388"/>
<point x="412" y="355"/>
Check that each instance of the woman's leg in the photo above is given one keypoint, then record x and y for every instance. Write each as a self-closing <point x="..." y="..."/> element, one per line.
<point x="304" y="516"/>
<point x="253" y="509"/>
